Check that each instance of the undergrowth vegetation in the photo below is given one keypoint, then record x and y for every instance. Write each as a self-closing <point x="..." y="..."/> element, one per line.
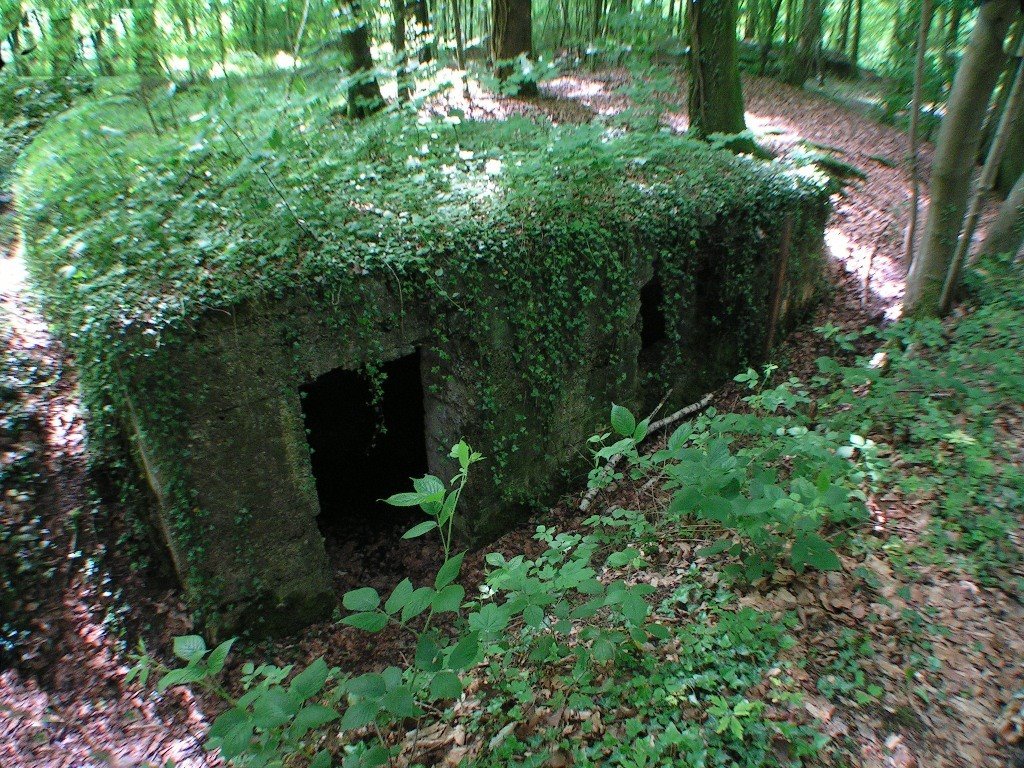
<point x="620" y="632"/>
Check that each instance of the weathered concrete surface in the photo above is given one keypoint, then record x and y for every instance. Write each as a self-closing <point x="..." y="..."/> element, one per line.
<point x="251" y="545"/>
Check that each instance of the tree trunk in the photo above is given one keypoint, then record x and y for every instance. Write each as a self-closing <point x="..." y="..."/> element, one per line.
<point x="844" y="26"/>
<point x="915" y="122"/>
<point x="858" y="25"/>
<point x="511" y="37"/>
<point x="716" y="94"/>
<point x="998" y="106"/>
<point x="460" y="40"/>
<point x="1006" y="235"/>
<point x="398" y="11"/>
<point x="425" y="48"/>
<point x="955" y="152"/>
<point x="364" y="97"/>
<point x="801" y="63"/>
<point x="145" y="42"/>
<point x="769" y="36"/>
<point x="753" y="20"/>
<point x="987" y="182"/>
<point x="63" y="48"/>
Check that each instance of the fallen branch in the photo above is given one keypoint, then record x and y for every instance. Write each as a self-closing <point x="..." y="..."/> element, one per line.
<point x="682" y="413"/>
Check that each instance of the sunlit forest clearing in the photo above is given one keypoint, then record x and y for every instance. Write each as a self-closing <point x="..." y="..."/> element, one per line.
<point x="511" y="383"/>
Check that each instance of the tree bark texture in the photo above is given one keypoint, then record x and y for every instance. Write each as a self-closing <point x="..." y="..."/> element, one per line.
<point x="511" y="37"/>
<point x="956" y="149"/>
<point x="716" y="94"/>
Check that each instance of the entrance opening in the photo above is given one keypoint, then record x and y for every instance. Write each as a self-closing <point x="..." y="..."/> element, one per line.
<point x="652" y="314"/>
<point x="363" y="451"/>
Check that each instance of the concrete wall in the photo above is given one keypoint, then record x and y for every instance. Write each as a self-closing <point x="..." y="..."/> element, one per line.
<point x="249" y="542"/>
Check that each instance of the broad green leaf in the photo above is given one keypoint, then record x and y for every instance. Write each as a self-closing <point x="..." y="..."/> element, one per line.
<point x="449" y="572"/>
<point x="274" y="708"/>
<point x="218" y="656"/>
<point x="449" y="599"/>
<point x="420" y="530"/>
<point x="313" y="716"/>
<point x="180" y="677"/>
<point x="369" y="622"/>
<point x="465" y="652"/>
<point x="404" y="499"/>
<point x="399" y="597"/>
<point x="321" y="759"/>
<point x="360" y="714"/>
<point x="623" y="422"/>
<point x="533" y="615"/>
<point x="490" y="619"/>
<point x="371" y="685"/>
<point x="364" y="599"/>
<point x="189" y="647"/>
<point x="237" y="740"/>
<point x="446" y="685"/>
<point x="418" y="602"/>
<point x="311" y="680"/>
<point x="810" y="549"/>
<point x="400" y="703"/>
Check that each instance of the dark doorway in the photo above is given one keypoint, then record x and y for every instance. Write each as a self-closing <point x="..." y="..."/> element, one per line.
<point x="364" y="451"/>
<point x="652" y="314"/>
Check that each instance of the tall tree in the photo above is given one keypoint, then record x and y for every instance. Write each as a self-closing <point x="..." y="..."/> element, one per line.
<point x="716" y="94"/>
<point x="62" y="44"/>
<point x="955" y="152"/>
<point x="364" y="97"/>
<point x="915" y="122"/>
<point x="801" y="64"/>
<point x="145" y="42"/>
<point x="512" y="37"/>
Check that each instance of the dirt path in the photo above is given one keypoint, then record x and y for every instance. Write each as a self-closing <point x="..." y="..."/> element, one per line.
<point x="73" y="709"/>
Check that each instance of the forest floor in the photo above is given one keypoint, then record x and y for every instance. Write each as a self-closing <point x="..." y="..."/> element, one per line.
<point x="67" y="704"/>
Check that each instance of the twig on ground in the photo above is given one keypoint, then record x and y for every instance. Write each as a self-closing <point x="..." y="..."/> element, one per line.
<point x="682" y="413"/>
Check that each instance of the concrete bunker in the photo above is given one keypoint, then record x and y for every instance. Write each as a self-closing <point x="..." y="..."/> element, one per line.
<point x="367" y="437"/>
<point x="521" y="297"/>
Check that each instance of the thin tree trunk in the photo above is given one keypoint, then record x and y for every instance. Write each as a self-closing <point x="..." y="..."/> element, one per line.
<point x="716" y="95"/>
<point x="857" y="27"/>
<point x="955" y="152"/>
<point x="985" y="185"/>
<point x="460" y="40"/>
<point x="398" y="11"/>
<point x="1006" y="235"/>
<point x="844" y="26"/>
<point x="63" y="49"/>
<point x="915" y="122"/>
